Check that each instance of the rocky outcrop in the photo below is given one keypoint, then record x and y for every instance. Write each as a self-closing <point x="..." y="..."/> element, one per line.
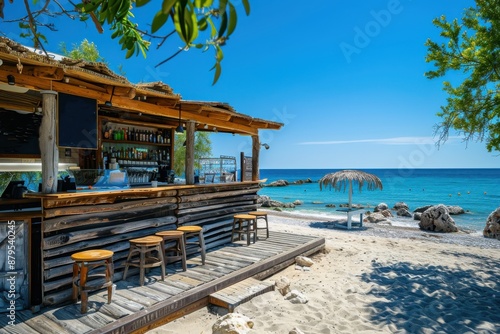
<point x="421" y="209"/>
<point x="455" y="210"/>
<point x="376" y="217"/>
<point x="267" y="202"/>
<point x="303" y="181"/>
<point x="401" y="205"/>
<point x="381" y="207"/>
<point x="303" y="261"/>
<point x="298" y="202"/>
<point x="417" y="216"/>
<point x="492" y="228"/>
<point x="283" y="285"/>
<point x="296" y="297"/>
<point x="356" y="206"/>
<point x="232" y="323"/>
<point x="452" y="209"/>
<point x="278" y="183"/>
<point x="402" y="212"/>
<point x="437" y="219"/>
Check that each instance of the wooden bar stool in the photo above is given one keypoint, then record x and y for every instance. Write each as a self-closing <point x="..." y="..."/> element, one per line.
<point x="244" y="224"/>
<point x="261" y="215"/>
<point x="92" y="270"/>
<point x="194" y="231"/>
<point x="179" y="249"/>
<point x="145" y="246"/>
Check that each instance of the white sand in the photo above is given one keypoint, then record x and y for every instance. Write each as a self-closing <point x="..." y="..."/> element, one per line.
<point x="378" y="280"/>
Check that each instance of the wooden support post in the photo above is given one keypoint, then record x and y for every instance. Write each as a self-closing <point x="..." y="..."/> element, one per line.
<point x="47" y="141"/>
<point x="255" y="158"/>
<point x="190" y="129"/>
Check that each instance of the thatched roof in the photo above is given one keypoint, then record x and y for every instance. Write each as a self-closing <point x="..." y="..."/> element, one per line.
<point x="341" y="180"/>
<point x="35" y="70"/>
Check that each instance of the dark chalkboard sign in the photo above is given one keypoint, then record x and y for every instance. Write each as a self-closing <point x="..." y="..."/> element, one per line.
<point x="19" y="133"/>
<point x="77" y="121"/>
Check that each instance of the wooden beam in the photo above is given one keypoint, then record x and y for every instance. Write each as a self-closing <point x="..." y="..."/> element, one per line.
<point x="255" y="158"/>
<point x="190" y="127"/>
<point x="30" y="81"/>
<point x="48" y="142"/>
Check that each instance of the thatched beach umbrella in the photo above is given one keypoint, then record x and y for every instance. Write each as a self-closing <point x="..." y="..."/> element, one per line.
<point x="339" y="181"/>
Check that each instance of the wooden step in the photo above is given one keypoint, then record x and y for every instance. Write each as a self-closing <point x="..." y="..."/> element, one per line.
<point x="239" y="293"/>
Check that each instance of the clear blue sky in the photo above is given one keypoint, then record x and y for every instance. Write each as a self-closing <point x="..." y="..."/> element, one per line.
<point x="345" y="77"/>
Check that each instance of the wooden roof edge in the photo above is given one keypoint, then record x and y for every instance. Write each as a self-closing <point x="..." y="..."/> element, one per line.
<point x="270" y="124"/>
<point x="224" y="107"/>
<point x="162" y="90"/>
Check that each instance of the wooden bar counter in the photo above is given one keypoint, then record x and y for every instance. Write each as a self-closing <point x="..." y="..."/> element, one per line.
<point x="76" y="221"/>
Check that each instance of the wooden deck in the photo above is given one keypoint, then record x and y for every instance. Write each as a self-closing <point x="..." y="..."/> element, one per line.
<point x="136" y="309"/>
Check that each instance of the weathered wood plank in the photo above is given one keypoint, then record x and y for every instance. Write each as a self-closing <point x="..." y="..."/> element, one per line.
<point x="18" y="328"/>
<point x="96" y="320"/>
<point x="208" y="202"/>
<point x="98" y="243"/>
<point x="134" y="297"/>
<point x="205" y="271"/>
<point x="77" y="199"/>
<point x="146" y="317"/>
<point x="68" y="319"/>
<point x="67" y="238"/>
<point x="164" y="202"/>
<point x="112" y="310"/>
<point x="196" y="275"/>
<point x="200" y="197"/>
<point x="182" y="219"/>
<point x="41" y="323"/>
<point x="165" y="288"/>
<point x="220" y="204"/>
<point x="126" y="303"/>
<point x="224" y="259"/>
<point x="150" y="293"/>
<point x="239" y="293"/>
<point x="217" y="188"/>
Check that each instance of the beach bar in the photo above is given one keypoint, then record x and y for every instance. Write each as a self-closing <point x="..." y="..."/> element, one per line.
<point x="63" y="115"/>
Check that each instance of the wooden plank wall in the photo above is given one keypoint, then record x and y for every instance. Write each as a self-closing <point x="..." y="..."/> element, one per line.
<point x="213" y="208"/>
<point x="108" y="221"/>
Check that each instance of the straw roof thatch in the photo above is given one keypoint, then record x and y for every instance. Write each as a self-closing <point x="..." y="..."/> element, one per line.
<point x="37" y="71"/>
<point x="342" y="179"/>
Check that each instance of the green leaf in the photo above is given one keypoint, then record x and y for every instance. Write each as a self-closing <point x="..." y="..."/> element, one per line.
<point x="167" y="5"/>
<point x="202" y="23"/>
<point x="130" y="52"/>
<point x="246" y="5"/>
<point x="222" y="6"/>
<point x="178" y="17"/>
<point x="158" y="21"/>
<point x="218" y="71"/>
<point x="233" y="19"/>
<point x="140" y="3"/>
<point x="223" y="25"/>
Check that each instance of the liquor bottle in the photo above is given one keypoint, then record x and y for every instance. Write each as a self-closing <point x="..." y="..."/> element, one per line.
<point x="125" y="136"/>
<point x="105" y="134"/>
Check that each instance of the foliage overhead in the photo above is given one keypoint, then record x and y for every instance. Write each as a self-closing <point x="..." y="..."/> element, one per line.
<point x="85" y="51"/>
<point x="203" y="24"/>
<point x="202" y="149"/>
<point x="472" y="49"/>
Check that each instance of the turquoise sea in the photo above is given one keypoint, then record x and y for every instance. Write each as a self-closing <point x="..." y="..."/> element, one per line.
<point x="477" y="191"/>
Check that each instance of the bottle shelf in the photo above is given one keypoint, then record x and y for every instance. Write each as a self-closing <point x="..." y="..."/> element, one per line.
<point x="141" y="143"/>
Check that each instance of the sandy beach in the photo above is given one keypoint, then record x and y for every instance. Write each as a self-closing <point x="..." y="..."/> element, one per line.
<point x="380" y="279"/>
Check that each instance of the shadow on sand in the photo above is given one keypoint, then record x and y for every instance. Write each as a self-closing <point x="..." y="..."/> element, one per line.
<point x="424" y="299"/>
<point x="338" y="225"/>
